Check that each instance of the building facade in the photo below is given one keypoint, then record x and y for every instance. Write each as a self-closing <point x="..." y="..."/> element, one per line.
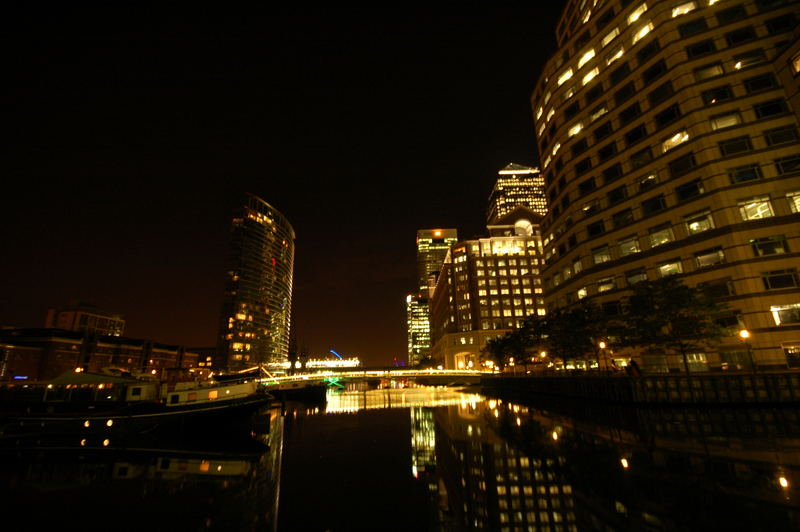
<point x="419" y="328"/>
<point x="668" y="134"/>
<point x="256" y="311"/>
<point x="432" y="246"/>
<point x="487" y="287"/>
<point x="80" y="316"/>
<point x="516" y="186"/>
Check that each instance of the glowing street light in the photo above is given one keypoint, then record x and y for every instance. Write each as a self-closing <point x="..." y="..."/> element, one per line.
<point x="624" y="462"/>
<point x="783" y="482"/>
<point x="744" y="335"/>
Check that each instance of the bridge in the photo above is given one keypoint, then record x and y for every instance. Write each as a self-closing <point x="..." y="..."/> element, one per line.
<point x="446" y="377"/>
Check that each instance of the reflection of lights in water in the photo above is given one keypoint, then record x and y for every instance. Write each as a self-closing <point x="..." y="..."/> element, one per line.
<point x="348" y="402"/>
<point x="784" y="482"/>
<point x="624" y="462"/>
<point x="555" y="435"/>
<point x="519" y="422"/>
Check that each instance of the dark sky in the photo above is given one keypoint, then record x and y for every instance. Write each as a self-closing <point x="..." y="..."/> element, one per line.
<point x="131" y="134"/>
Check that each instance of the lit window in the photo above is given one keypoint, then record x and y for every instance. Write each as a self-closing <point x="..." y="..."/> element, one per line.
<point x="577" y="266"/>
<point x="598" y="112"/>
<point x="601" y="255"/>
<point x="769" y="245"/>
<point x="699" y="222"/>
<point x="796" y="64"/>
<point x="574" y="130"/>
<point x="636" y="13"/>
<point x="629" y="246"/>
<point x="794" y="201"/>
<point x="569" y="94"/>
<point x="756" y="208"/>
<point x="591" y="75"/>
<point x="564" y="77"/>
<point x="616" y="54"/>
<point x="604" y="285"/>
<point x="546" y="98"/>
<point x="550" y="114"/>
<point x="642" y="33"/>
<point x="582" y="292"/>
<point x="675" y="140"/>
<point x="725" y="120"/>
<point x="709" y="257"/>
<point x="547" y="161"/>
<point x="609" y="37"/>
<point x="556" y="148"/>
<point x="684" y="8"/>
<point x="586" y="16"/>
<point x="539" y="112"/>
<point x="586" y="57"/>
<point x="672" y="267"/>
<point x="786" y="313"/>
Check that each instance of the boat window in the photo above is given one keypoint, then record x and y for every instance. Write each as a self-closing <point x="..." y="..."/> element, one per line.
<point x="173" y="398"/>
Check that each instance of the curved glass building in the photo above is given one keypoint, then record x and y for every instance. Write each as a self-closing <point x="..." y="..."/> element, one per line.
<point x="256" y="312"/>
<point x="668" y="132"/>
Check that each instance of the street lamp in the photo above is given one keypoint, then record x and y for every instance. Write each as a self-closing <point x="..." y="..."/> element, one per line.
<point x="602" y="346"/>
<point x="744" y="335"/>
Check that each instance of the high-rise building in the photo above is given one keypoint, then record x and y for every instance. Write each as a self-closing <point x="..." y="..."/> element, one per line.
<point x="670" y="146"/>
<point x="258" y="297"/>
<point x="432" y="246"/>
<point x="516" y="186"/>
<point x="487" y="287"/>
<point x="419" y="328"/>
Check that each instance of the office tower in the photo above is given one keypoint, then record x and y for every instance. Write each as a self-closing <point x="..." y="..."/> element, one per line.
<point x="516" y="186"/>
<point x="487" y="287"/>
<point x="670" y="147"/>
<point x="419" y="328"/>
<point x="258" y="296"/>
<point x="80" y="316"/>
<point x="432" y="246"/>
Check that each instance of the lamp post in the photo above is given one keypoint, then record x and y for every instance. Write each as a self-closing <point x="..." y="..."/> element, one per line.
<point x="602" y="354"/>
<point x="744" y="335"/>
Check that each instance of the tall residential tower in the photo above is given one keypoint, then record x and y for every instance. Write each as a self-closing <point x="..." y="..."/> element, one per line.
<point x="258" y="296"/>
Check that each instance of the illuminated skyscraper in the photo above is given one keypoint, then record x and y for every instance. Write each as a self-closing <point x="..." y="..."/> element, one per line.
<point x="432" y="246"/>
<point x="258" y="296"/>
<point x="516" y="186"/>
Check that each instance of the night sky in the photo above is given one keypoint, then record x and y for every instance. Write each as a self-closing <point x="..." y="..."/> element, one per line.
<point x="132" y="133"/>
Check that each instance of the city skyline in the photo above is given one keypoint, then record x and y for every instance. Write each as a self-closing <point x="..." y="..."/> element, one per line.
<point x="135" y="135"/>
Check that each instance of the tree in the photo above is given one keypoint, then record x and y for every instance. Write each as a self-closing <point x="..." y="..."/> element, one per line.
<point x="667" y="314"/>
<point x="502" y="349"/>
<point x="576" y="332"/>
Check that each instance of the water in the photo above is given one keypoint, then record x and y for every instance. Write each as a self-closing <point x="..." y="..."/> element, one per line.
<point x="424" y="459"/>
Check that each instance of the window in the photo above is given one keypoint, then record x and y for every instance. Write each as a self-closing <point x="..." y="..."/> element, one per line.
<point x="786" y="314"/>
<point x="606" y="284"/>
<point x="792" y="352"/>
<point x="700" y="48"/>
<point x="780" y="135"/>
<point x="770" y="245"/>
<point x="635" y="135"/>
<point x="642" y="32"/>
<point x="615" y="54"/>
<point x="622" y="218"/>
<point x="609" y="37"/>
<point x="628" y="114"/>
<point x="648" y="181"/>
<point x="641" y="158"/>
<point x="717" y="95"/>
<point x="601" y="254"/>
<point x="760" y="83"/>
<point x="732" y="14"/>
<point x="670" y="267"/>
<point x="675" y="140"/>
<point x="748" y="59"/>
<point x="629" y="246"/>
<point x="654" y="205"/>
<point x="709" y="257"/>
<point x="604" y="19"/>
<point x="588" y="55"/>
<point x="660" y="93"/>
<point x="636" y="13"/>
<point x="668" y="115"/>
<point x="770" y="108"/>
<point x="725" y="120"/>
<point x="567" y="74"/>
<point x="654" y="72"/>
<point x="636" y="276"/>
<point x="739" y="36"/>
<point x="594" y="93"/>
<point x="572" y="110"/>
<point x="777" y="279"/>
<point x="717" y="288"/>
<point x="589" y="76"/>
<point x="603" y="131"/>
<point x="574" y="130"/>
<point x="587" y="186"/>
<point x="788" y="165"/>
<point x="748" y="172"/>
<point x="692" y="27"/>
<point x="617" y="195"/>
<point x="682" y="165"/>
<point x="591" y="207"/>
<point x="755" y="208"/>
<point x="708" y="71"/>
<point x="583" y="166"/>
<point x="648" y="51"/>
<point x="597" y="112"/>
<point x="794" y="201"/>
<point x="735" y="145"/>
<point x="689" y="190"/>
<point x="607" y="151"/>
<point x="620" y="73"/>
<point x="698" y="222"/>
<point x="660" y="234"/>
<point x="624" y="94"/>
<point x="595" y="228"/>
<point x="612" y="173"/>
<point x="577" y="266"/>
<point x="579" y="146"/>
<point x="784" y="23"/>
<point x="682" y="9"/>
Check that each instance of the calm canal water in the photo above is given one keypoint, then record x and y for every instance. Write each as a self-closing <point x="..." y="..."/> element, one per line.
<point x="424" y="458"/>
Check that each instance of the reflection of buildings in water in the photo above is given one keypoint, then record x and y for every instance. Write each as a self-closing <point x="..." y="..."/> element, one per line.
<point x="423" y="455"/>
<point x="671" y="468"/>
<point x="339" y="402"/>
<point x="226" y="484"/>
<point x="491" y="484"/>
